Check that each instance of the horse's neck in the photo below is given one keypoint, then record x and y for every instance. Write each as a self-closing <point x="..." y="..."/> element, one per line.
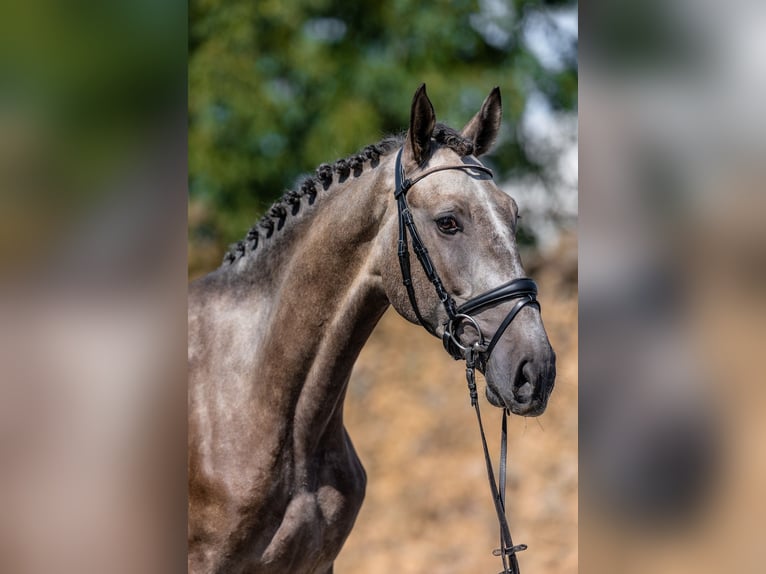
<point x="307" y="306"/>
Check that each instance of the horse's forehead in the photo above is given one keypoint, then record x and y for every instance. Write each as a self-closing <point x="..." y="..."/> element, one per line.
<point x="463" y="188"/>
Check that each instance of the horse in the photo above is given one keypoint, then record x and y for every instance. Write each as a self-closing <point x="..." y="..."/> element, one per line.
<point x="275" y="483"/>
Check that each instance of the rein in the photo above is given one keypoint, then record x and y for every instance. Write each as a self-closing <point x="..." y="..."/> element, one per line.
<point x="524" y="290"/>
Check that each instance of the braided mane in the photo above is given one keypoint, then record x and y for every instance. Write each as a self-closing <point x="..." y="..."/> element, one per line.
<point x="290" y="203"/>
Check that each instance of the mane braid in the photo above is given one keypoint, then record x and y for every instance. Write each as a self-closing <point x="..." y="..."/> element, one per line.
<point x="452" y="138"/>
<point x="290" y="202"/>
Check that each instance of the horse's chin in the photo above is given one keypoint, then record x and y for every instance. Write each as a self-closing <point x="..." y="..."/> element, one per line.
<point x="493" y="398"/>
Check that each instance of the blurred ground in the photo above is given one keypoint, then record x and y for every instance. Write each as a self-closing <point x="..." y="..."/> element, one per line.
<point x="724" y="248"/>
<point x="428" y="504"/>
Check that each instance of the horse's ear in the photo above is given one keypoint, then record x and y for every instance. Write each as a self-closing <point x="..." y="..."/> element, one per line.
<point x="484" y="126"/>
<point x="422" y="123"/>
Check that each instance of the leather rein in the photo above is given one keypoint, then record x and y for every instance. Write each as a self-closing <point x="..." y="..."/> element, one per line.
<point x="523" y="290"/>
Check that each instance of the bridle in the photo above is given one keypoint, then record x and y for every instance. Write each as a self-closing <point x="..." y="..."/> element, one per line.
<point x="523" y="289"/>
<point x="478" y="354"/>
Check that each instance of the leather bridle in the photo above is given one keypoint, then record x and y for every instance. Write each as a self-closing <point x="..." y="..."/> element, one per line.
<point x="478" y="354"/>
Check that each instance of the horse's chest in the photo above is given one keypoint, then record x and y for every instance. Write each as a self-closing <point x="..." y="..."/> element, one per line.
<point x="311" y="534"/>
<point x="311" y="528"/>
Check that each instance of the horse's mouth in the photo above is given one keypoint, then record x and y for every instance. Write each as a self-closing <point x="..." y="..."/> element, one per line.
<point x="531" y="407"/>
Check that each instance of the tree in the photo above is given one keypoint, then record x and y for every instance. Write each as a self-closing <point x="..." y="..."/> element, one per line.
<point x="277" y="87"/>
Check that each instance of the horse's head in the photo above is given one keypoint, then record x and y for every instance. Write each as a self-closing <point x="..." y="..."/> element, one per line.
<point x="468" y="226"/>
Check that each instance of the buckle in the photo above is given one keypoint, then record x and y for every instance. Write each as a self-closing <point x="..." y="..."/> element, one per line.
<point x="449" y="331"/>
<point x="509" y="551"/>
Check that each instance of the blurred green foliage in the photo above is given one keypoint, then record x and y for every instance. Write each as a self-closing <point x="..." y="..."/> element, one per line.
<point x="86" y="90"/>
<point x="277" y="87"/>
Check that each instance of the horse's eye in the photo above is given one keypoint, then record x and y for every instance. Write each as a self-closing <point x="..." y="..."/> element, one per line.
<point x="448" y="224"/>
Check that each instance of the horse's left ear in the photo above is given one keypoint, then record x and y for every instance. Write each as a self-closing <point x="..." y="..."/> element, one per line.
<point x="484" y="126"/>
<point x="422" y="121"/>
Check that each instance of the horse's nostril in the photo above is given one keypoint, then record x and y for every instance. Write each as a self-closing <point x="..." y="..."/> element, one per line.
<point x="521" y="388"/>
<point x="524" y="392"/>
<point x="522" y="383"/>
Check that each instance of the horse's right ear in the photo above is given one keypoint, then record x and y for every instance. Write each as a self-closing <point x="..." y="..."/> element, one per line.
<point x="422" y="122"/>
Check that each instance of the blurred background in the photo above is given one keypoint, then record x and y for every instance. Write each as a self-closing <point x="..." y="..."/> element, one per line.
<point x="672" y="257"/>
<point x="275" y="89"/>
<point x="93" y="191"/>
<point x="278" y="87"/>
<point x="97" y="181"/>
<point x="93" y="268"/>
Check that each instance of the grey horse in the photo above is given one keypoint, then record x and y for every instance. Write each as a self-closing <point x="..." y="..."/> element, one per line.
<point x="275" y="484"/>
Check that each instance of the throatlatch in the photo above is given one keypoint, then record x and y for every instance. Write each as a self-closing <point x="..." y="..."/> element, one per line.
<point x="524" y="290"/>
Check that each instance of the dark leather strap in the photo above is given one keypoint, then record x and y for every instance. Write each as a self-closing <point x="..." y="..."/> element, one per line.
<point x="403" y="184"/>
<point x="507" y="550"/>
<point x="407" y="225"/>
<point x="404" y="262"/>
<point x="523" y="289"/>
<point x="502" y="475"/>
<point x="507" y="321"/>
<point x="511" y="290"/>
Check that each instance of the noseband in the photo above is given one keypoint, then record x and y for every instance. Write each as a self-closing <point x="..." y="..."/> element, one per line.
<point x="523" y="290"/>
